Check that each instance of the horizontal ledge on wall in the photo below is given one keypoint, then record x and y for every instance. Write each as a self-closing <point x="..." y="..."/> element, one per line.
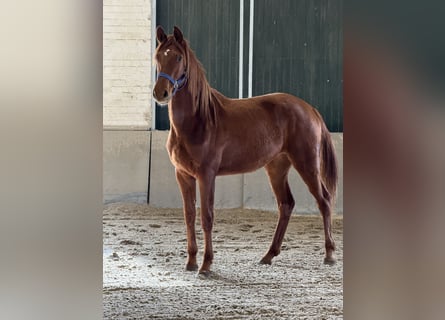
<point x="126" y="128"/>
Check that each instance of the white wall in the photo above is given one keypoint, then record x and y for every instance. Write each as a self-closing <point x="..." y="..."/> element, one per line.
<point x="127" y="59"/>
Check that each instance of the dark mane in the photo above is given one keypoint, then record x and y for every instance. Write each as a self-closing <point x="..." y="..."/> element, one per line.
<point x="199" y="88"/>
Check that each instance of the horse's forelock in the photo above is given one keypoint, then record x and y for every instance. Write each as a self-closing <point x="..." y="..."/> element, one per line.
<point x="167" y="43"/>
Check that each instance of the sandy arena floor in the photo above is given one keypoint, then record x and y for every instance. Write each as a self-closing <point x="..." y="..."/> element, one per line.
<point x="144" y="253"/>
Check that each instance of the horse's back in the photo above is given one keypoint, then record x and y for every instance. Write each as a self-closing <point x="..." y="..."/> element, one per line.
<point x="277" y="102"/>
<point x="257" y="129"/>
<point x="274" y="112"/>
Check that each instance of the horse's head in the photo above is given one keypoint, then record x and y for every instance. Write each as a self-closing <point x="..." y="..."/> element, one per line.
<point x="171" y="63"/>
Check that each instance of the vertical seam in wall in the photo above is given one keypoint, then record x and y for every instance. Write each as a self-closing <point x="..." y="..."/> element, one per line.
<point x="241" y="67"/>
<point x="149" y="165"/>
<point x="250" y="74"/>
<point x="153" y="72"/>
<point x="153" y="104"/>
<point x="241" y="47"/>
<point x="250" y="48"/>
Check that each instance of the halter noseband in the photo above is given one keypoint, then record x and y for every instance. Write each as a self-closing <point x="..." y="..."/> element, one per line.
<point x="177" y="84"/>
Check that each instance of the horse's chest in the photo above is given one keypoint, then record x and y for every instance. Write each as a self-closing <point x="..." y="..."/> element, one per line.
<point x="181" y="158"/>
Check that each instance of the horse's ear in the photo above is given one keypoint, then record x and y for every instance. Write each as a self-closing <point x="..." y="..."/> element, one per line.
<point x="178" y="34"/>
<point x="160" y="34"/>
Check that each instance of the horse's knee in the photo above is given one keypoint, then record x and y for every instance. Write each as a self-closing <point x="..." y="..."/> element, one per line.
<point x="207" y="222"/>
<point x="207" y="226"/>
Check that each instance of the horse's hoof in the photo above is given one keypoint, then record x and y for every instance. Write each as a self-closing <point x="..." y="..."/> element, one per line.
<point x="266" y="261"/>
<point x="204" y="274"/>
<point x="191" y="267"/>
<point x="330" y="261"/>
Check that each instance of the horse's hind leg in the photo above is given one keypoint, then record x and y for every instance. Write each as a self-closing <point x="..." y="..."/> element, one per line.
<point x="277" y="171"/>
<point x="323" y="198"/>
<point x="309" y="169"/>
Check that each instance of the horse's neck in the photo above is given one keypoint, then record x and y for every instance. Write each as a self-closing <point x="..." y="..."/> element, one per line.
<point x="187" y="129"/>
<point x="180" y="109"/>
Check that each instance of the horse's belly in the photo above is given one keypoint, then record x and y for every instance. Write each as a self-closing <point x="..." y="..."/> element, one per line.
<point x="240" y="168"/>
<point x="247" y="160"/>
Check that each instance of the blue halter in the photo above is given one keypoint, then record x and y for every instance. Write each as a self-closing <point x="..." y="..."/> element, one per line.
<point x="177" y="84"/>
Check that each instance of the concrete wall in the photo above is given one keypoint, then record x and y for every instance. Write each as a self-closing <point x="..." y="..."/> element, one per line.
<point x="127" y="64"/>
<point x="126" y="177"/>
<point x="125" y="166"/>
<point x="127" y="102"/>
<point x="250" y="190"/>
<point x="164" y="191"/>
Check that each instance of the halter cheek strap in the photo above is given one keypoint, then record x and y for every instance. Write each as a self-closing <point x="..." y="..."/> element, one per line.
<point x="177" y="84"/>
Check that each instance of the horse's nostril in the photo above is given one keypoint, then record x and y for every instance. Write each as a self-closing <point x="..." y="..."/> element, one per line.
<point x="165" y="94"/>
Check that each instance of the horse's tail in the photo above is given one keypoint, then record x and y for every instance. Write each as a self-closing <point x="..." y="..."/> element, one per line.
<point x="328" y="163"/>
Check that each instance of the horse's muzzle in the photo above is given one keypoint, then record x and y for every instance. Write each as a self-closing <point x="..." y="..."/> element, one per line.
<point x="161" y="96"/>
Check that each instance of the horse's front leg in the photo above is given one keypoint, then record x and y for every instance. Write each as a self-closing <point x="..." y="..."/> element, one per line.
<point x="187" y="184"/>
<point x="207" y="191"/>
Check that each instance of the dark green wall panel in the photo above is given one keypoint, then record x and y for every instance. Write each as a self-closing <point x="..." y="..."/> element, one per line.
<point x="212" y="28"/>
<point x="297" y="48"/>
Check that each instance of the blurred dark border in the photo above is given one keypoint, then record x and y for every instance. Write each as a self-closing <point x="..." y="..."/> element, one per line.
<point x="51" y="160"/>
<point x="51" y="163"/>
<point x="394" y="155"/>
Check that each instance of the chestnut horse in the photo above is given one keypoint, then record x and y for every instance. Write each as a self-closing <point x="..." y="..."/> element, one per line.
<point x="214" y="135"/>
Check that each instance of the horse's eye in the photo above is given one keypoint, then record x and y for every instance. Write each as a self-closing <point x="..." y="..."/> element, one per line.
<point x="178" y="58"/>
